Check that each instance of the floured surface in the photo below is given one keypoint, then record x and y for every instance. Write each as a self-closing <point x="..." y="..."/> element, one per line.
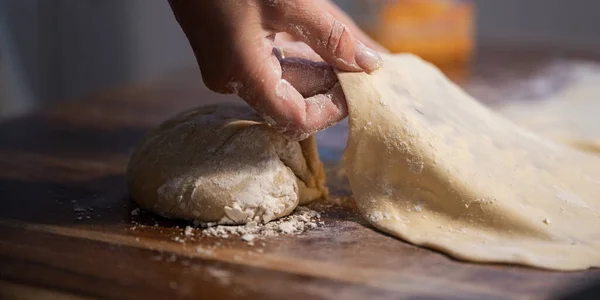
<point x="429" y="164"/>
<point x="297" y="222"/>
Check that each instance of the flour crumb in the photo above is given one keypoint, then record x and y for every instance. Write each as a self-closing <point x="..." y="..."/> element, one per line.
<point x="135" y="212"/>
<point x="223" y="277"/>
<point x="188" y="231"/>
<point x="299" y="221"/>
<point x="287" y="227"/>
<point x="79" y="209"/>
<point x="248" y="237"/>
<point x="418" y="207"/>
<point x="376" y="216"/>
<point x="546" y="221"/>
<point x="205" y="251"/>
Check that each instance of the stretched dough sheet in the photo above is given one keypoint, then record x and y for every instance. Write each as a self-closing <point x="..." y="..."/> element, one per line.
<point x="431" y="165"/>
<point x="560" y="101"/>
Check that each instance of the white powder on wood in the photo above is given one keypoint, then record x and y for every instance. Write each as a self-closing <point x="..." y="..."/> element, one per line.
<point x="248" y="237"/>
<point x="223" y="277"/>
<point x="188" y="231"/>
<point x="301" y="220"/>
<point x="205" y="251"/>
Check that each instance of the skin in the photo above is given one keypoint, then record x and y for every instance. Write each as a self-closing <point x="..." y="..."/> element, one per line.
<point x="278" y="56"/>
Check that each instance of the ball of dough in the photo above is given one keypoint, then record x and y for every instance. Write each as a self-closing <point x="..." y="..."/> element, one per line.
<point x="223" y="164"/>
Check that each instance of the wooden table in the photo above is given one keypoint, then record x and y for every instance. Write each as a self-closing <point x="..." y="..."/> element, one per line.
<point x="67" y="231"/>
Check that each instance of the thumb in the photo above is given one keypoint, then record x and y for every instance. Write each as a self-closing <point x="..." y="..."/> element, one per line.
<point x="326" y="35"/>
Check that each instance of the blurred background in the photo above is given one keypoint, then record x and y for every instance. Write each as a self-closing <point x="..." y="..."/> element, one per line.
<point x="64" y="49"/>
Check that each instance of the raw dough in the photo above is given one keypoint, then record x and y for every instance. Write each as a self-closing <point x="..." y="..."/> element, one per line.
<point x="429" y="164"/>
<point x="570" y="114"/>
<point x="223" y="164"/>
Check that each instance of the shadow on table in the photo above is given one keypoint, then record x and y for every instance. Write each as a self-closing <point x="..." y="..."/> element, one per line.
<point x="103" y="201"/>
<point x="98" y="200"/>
<point x="40" y="136"/>
<point x="589" y="292"/>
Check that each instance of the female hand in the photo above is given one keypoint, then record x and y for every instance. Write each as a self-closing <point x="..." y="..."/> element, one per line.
<point x="278" y="56"/>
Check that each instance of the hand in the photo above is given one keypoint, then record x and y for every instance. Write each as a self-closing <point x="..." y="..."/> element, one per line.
<point x="288" y="80"/>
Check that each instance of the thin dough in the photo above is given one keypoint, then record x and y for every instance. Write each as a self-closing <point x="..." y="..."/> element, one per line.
<point x="429" y="164"/>
<point x="570" y="114"/>
<point x="223" y="164"/>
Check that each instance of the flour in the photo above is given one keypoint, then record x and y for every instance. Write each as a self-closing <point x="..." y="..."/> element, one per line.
<point x="248" y="237"/>
<point x="252" y="203"/>
<point x="205" y="251"/>
<point x="301" y="220"/>
<point x="223" y="277"/>
<point x="188" y="231"/>
<point x="378" y="216"/>
<point x="234" y="86"/>
<point x="317" y="102"/>
<point x="82" y="212"/>
<point x="284" y="89"/>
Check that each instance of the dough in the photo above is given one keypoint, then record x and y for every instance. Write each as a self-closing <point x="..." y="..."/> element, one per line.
<point x="429" y="164"/>
<point x="223" y="164"/>
<point x="570" y="114"/>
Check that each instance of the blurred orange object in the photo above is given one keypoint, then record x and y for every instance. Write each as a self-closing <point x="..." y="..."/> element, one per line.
<point x="439" y="31"/>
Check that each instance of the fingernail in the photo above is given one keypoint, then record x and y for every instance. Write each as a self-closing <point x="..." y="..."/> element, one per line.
<point x="367" y="58"/>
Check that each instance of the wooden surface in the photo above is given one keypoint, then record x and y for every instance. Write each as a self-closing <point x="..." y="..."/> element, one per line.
<point x="67" y="232"/>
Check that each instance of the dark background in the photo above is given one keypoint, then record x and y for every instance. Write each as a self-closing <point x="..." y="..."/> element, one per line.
<point x="65" y="49"/>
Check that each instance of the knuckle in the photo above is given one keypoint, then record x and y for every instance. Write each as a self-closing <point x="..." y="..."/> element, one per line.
<point x="214" y="82"/>
<point x="336" y="37"/>
<point x="299" y="122"/>
<point x="218" y="74"/>
<point x="213" y="74"/>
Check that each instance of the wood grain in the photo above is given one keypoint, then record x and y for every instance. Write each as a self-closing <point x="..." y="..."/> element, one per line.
<point x="67" y="232"/>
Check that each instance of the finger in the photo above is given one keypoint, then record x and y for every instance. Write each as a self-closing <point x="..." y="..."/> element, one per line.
<point x="273" y="97"/>
<point x="339" y="14"/>
<point x="284" y="37"/>
<point x="296" y="49"/>
<point x="325" y="110"/>
<point x="308" y="77"/>
<point x="282" y="106"/>
<point x="215" y="43"/>
<point x="326" y="35"/>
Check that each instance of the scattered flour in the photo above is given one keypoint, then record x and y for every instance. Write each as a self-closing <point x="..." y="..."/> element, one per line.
<point x="248" y="237"/>
<point x="298" y="222"/>
<point x="223" y="277"/>
<point x="188" y="231"/>
<point x="205" y="251"/>
<point x="82" y="212"/>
